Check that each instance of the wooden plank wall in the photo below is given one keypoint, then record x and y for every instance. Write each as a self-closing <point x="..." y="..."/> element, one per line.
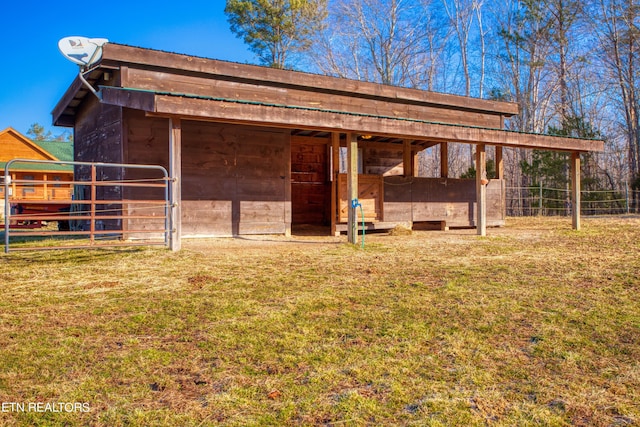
<point x="370" y="196"/>
<point x="235" y="178"/>
<point x="453" y="201"/>
<point x="310" y="180"/>
<point x="382" y="159"/>
<point x="14" y="148"/>
<point x="146" y="142"/>
<point x="98" y="137"/>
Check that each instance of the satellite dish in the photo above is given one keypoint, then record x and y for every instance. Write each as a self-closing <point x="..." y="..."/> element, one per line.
<point x="82" y="50"/>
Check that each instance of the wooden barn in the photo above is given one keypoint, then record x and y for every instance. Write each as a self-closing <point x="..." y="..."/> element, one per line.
<point x="255" y="150"/>
<point x="36" y="187"/>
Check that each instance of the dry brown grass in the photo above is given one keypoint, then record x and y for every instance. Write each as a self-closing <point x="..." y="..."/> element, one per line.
<point x="535" y="324"/>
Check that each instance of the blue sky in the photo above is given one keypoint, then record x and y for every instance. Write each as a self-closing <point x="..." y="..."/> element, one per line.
<point x="34" y="75"/>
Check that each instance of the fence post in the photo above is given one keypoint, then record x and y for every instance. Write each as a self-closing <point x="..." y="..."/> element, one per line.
<point x="626" y="196"/>
<point x="540" y="200"/>
<point x="92" y="215"/>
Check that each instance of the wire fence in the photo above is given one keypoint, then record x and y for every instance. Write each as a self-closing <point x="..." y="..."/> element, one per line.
<point x="545" y="201"/>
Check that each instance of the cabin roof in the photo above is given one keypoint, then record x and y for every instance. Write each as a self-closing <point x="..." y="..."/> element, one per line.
<point x="50" y="150"/>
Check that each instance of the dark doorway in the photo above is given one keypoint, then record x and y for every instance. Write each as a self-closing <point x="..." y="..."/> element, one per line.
<point x="310" y="184"/>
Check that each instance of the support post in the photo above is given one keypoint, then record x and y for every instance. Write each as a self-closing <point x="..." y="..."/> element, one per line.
<point x="481" y="189"/>
<point x="335" y="170"/>
<point x="352" y="186"/>
<point x="407" y="159"/>
<point x="444" y="160"/>
<point x="575" y="189"/>
<point x="175" y="175"/>
<point x="499" y="163"/>
<point x="92" y="209"/>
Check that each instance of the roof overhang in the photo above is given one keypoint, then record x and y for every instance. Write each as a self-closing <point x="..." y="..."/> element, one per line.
<point x="174" y="85"/>
<point x="297" y="117"/>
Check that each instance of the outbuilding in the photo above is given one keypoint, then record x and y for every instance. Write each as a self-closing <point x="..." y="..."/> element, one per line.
<point x="256" y="150"/>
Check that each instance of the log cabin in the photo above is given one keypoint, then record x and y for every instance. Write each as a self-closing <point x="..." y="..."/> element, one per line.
<point x="256" y="150"/>
<point x="36" y="187"/>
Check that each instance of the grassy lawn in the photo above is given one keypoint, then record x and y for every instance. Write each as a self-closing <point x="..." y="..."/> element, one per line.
<point x="535" y="324"/>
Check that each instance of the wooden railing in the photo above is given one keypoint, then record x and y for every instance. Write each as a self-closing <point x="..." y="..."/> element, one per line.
<point x="37" y="190"/>
<point x="370" y="196"/>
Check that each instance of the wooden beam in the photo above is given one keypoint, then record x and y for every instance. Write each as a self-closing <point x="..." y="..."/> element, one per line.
<point x="335" y="170"/>
<point x="481" y="189"/>
<point x="156" y="81"/>
<point x="499" y="163"/>
<point x="138" y="100"/>
<point x="575" y="190"/>
<point x="279" y="116"/>
<point x="444" y="160"/>
<point x="352" y="185"/>
<point x="63" y="113"/>
<point x="175" y="174"/>
<point x="407" y="158"/>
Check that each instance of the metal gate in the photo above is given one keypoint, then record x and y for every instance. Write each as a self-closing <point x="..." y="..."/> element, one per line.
<point x="99" y="205"/>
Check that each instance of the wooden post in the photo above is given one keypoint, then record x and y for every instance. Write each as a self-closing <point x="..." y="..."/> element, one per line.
<point x="499" y="163"/>
<point x="335" y="170"/>
<point x="444" y="160"/>
<point x="92" y="208"/>
<point x="481" y="189"/>
<point x="14" y="187"/>
<point x="575" y="189"/>
<point x="288" y="208"/>
<point x="175" y="174"/>
<point x="407" y="159"/>
<point x="352" y="186"/>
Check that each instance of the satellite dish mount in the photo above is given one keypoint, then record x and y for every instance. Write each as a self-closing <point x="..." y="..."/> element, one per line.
<point x="84" y="52"/>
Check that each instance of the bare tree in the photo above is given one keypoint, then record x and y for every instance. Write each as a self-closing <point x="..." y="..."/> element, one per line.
<point x="460" y="13"/>
<point x="396" y="42"/>
<point x="619" y="32"/>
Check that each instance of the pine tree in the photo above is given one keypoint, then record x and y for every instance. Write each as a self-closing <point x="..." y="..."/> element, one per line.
<point x="276" y="29"/>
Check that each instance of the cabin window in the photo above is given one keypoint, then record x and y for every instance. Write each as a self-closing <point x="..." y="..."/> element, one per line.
<point x="57" y="178"/>
<point x="28" y="188"/>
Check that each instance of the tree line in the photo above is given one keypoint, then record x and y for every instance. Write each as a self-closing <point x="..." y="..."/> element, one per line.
<point x="572" y="66"/>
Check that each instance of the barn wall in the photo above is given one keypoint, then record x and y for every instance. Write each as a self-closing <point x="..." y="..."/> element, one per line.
<point x="98" y="138"/>
<point x="382" y="159"/>
<point x="414" y="199"/>
<point x="235" y="178"/>
<point x="98" y="133"/>
<point x="146" y="142"/>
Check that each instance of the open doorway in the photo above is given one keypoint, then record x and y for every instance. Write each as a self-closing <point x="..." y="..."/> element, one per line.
<point x="310" y="184"/>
